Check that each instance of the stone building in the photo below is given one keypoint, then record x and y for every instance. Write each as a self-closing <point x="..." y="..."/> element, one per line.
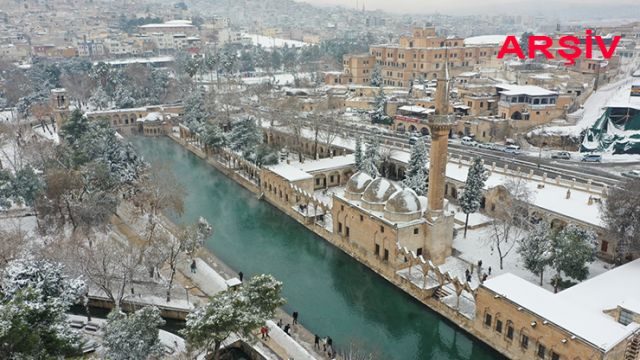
<point x="596" y="319"/>
<point x="419" y="56"/>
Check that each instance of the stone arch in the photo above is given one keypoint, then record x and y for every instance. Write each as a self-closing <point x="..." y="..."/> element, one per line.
<point x="517" y="115"/>
<point x="424" y="131"/>
<point x="412" y="128"/>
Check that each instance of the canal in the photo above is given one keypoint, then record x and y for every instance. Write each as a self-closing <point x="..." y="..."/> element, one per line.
<point x="334" y="294"/>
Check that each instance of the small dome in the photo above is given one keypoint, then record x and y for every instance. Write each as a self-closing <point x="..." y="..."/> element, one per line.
<point x="404" y="202"/>
<point x="358" y="183"/>
<point x="378" y="191"/>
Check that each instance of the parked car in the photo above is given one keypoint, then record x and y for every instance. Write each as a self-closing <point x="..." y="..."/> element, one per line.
<point x="512" y="149"/>
<point x="413" y="140"/>
<point x="562" y="155"/>
<point x="592" y="158"/>
<point x="468" y="141"/>
<point x="488" y="146"/>
<point x="635" y="174"/>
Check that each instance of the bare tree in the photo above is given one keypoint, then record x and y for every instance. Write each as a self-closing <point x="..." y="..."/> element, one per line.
<point x="159" y="191"/>
<point x="621" y="214"/>
<point x="511" y="218"/>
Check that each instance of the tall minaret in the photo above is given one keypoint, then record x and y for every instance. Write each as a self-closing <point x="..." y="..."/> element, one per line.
<point x="440" y="126"/>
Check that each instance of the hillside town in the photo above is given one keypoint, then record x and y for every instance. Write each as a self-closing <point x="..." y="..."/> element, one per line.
<point x="279" y="179"/>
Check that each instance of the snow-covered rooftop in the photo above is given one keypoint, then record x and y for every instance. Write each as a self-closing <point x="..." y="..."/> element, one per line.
<point x="530" y="90"/>
<point x="289" y="172"/>
<point x="579" y="309"/>
<point x="335" y="162"/>
<point x="551" y="198"/>
<point x="485" y="40"/>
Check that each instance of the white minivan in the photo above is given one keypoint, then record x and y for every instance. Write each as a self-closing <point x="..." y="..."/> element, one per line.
<point x="468" y="141"/>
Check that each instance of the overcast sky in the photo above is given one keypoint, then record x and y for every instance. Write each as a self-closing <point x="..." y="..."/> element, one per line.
<point x="484" y="6"/>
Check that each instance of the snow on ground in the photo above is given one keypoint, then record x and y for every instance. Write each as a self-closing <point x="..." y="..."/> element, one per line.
<point x="7" y="115"/>
<point x="48" y="132"/>
<point x="273" y="42"/>
<point x="277" y="79"/>
<point x="293" y="349"/>
<point x="478" y="246"/>
<point x="326" y="195"/>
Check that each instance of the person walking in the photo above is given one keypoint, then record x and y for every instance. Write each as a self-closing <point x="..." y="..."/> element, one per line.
<point x="286" y="329"/>
<point x="295" y="317"/>
<point x="193" y="266"/>
<point x="263" y="332"/>
<point x="316" y="341"/>
<point x="240" y="276"/>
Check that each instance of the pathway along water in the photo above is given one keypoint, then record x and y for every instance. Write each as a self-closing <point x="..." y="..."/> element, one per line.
<point x="334" y="294"/>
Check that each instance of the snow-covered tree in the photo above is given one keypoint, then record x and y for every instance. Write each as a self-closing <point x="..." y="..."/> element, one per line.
<point x="417" y="175"/>
<point x="511" y="219"/>
<point x="123" y="97"/>
<point x="26" y="186"/>
<point x="133" y="336"/>
<point x="621" y="214"/>
<point x="573" y="248"/>
<point x="233" y="311"/>
<point x="535" y="249"/>
<point x="213" y="136"/>
<point x="376" y="77"/>
<point x="358" y="154"/>
<point x="379" y="114"/>
<point x="245" y="135"/>
<point x="473" y="187"/>
<point x="34" y="298"/>
<point x="99" y="99"/>
<point x="371" y="157"/>
<point x="195" y="111"/>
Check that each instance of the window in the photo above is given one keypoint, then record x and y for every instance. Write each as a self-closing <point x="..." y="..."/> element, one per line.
<point x="347" y="231"/>
<point x="381" y="228"/>
<point x="604" y="246"/>
<point x="487" y="319"/>
<point x="361" y="218"/>
<point x="499" y="326"/>
<point x="555" y="356"/>
<point x="510" y="332"/>
<point x="416" y="231"/>
<point x="339" y="227"/>
<point x="342" y="207"/>
<point x="626" y="317"/>
<point x="377" y="250"/>
<point x="524" y="342"/>
<point x="541" y="351"/>
<point x="317" y="181"/>
<point x="386" y="255"/>
<point x="419" y="252"/>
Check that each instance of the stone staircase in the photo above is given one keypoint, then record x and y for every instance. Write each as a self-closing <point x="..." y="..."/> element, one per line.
<point x="633" y="348"/>
<point x="441" y="293"/>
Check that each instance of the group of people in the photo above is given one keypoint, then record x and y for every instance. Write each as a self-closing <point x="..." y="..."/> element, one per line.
<point x="327" y="345"/>
<point x="286" y="328"/>
<point x="481" y="275"/>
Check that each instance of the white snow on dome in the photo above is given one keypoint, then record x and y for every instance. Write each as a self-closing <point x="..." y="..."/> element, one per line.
<point x="404" y="201"/>
<point x="358" y="182"/>
<point x="378" y="191"/>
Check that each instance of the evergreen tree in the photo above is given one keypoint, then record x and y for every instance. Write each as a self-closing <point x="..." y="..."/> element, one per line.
<point x="573" y="248"/>
<point x="245" y="135"/>
<point x="34" y="298"/>
<point x="358" y="154"/>
<point x="376" y="77"/>
<point x="133" y="336"/>
<point x="417" y="175"/>
<point x="379" y="114"/>
<point x="238" y="311"/>
<point x="195" y="111"/>
<point x="371" y="157"/>
<point x="535" y="249"/>
<point x="213" y="136"/>
<point x="472" y="194"/>
<point x="99" y="99"/>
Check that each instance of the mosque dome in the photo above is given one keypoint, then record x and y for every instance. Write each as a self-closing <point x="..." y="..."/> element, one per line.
<point x="404" y="205"/>
<point x="358" y="183"/>
<point x="378" y="192"/>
